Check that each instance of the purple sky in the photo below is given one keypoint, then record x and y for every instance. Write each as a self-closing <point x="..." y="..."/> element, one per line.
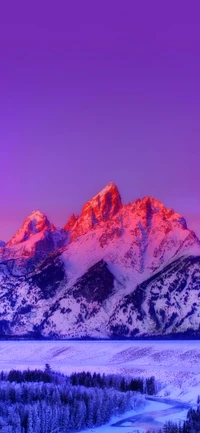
<point x="93" y="92"/>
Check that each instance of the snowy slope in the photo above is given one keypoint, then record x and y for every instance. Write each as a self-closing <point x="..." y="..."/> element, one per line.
<point x="169" y="302"/>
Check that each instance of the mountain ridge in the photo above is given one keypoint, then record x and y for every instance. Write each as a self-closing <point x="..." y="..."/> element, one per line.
<point x="88" y="278"/>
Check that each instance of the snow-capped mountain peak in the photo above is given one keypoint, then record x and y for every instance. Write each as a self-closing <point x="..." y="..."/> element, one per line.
<point x="36" y="222"/>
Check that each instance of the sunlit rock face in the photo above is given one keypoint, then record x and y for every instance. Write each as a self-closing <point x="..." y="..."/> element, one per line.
<point x="101" y="208"/>
<point x="117" y="270"/>
<point x="71" y="223"/>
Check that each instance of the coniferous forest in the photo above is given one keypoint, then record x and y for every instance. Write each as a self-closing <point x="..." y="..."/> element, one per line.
<point x="44" y="401"/>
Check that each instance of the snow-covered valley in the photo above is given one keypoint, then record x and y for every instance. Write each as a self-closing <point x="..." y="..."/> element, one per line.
<point x="175" y="364"/>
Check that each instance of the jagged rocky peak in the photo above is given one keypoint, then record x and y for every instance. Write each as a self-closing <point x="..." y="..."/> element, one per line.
<point x="149" y="206"/>
<point x="2" y="244"/>
<point x="71" y="222"/>
<point x="101" y="207"/>
<point x="104" y="205"/>
<point x="36" y="222"/>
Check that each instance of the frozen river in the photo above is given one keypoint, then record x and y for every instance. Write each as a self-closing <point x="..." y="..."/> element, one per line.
<point x="154" y="415"/>
<point x="150" y="418"/>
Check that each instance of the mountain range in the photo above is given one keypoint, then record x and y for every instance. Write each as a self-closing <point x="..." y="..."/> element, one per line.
<point x="115" y="271"/>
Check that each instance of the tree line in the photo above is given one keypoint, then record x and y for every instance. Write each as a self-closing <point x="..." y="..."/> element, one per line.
<point x="87" y="379"/>
<point x="37" y="401"/>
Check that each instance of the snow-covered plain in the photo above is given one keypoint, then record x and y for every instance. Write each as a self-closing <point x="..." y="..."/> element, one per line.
<point x="175" y="364"/>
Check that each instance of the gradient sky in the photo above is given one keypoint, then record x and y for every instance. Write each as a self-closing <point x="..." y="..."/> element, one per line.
<point x="93" y="92"/>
